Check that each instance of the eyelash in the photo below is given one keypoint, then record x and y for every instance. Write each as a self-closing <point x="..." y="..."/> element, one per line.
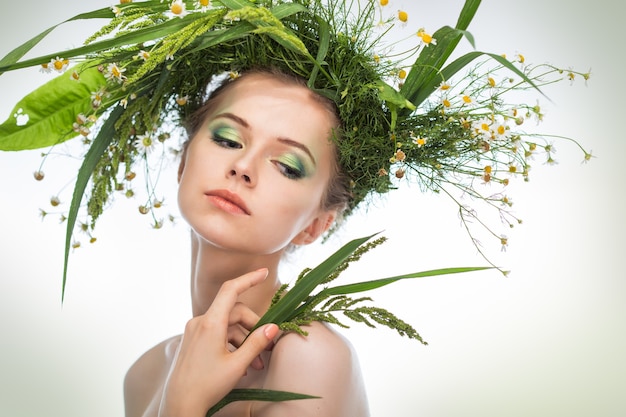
<point x="285" y="169"/>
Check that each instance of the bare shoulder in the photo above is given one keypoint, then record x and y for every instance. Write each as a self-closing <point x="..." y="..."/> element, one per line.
<point x="323" y="364"/>
<point x="144" y="379"/>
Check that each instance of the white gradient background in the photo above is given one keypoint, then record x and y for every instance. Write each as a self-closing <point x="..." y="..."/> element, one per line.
<point x="547" y="341"/>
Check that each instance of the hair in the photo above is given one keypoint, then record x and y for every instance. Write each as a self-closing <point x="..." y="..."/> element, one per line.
<point x="337" y="195"/>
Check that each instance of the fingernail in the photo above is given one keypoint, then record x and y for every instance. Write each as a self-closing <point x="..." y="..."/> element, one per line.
<point x="271" y="330"/>
<point x="267" y="271"/>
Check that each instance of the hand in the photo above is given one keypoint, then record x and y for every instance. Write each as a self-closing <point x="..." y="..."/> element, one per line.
<point x="204" y="370"/>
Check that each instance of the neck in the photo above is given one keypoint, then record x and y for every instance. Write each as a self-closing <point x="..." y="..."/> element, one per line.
<point x="211" y="267"/>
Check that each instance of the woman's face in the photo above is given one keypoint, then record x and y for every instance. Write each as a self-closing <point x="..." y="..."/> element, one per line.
<point x="254" y="175"/>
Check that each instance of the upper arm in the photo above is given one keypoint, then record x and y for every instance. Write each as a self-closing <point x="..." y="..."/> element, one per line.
<point x="322" y="364"/>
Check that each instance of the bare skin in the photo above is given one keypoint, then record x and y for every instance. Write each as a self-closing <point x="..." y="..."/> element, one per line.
<point x="248" y="148"/>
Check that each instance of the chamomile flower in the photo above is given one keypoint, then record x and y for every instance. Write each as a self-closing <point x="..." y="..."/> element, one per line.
<point x="59" y="64"/>
<point x="116" y="11"/>
<point x="178" y="8"/>
<point x="143" y="55"/>
<point x="75" y="76"/>
<point x="203" y="5"/>
<point x="144" y="143"/>
<point x="115" y="73"/>
<point x="182" y="100"/>
<point x="45" y="68"/>
<point x="426" y="38"/>
<point x="403" y="16"/>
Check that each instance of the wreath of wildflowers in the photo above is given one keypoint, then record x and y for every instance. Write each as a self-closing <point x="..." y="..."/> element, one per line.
<point x="126" y="93"/>
<point x="413" y="115"/>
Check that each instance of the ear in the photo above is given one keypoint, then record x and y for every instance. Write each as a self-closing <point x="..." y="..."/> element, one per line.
<point x="316" y="228"/>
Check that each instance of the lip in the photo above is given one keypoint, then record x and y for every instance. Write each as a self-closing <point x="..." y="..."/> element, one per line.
<point x="228" y="201"/>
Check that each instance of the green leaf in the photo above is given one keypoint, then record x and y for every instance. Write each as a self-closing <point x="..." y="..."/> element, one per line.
<point x="97" y="148"/>
<point x="135" y="37"/>
<point x="282" y="310"/>
<point x="51" y="111"/>
<point x="16" y="54"/>
<point x="256" y="395"/>
<point x="377" y="283"/>
<point x="425" y="70"/>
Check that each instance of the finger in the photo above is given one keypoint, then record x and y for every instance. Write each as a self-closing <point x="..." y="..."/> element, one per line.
<point x="230" y="291"/>
<point x="244" y="316"/>
<point x="256" y="343"/>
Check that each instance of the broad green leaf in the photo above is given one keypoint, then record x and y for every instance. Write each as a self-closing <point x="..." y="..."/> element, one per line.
<point x="256" y="395"/>
<point x="97" y="148"/>
<point x="51" y="110"/>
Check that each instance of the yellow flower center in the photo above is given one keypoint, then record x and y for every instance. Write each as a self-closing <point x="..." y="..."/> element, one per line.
<point x="204" y="3"/>
<point x="384" y="2"/>
<point x="491" y="81"/>
<point x="176" y="8"/>
<point x="426" y="38"/>
<point x="403" y="16"/>
<point x="467" y="99"/>
<point x="446" y="102"/>
<point x="402" y="74"/>
<point x="58" y="64"/>
<point x="501" y="130"/>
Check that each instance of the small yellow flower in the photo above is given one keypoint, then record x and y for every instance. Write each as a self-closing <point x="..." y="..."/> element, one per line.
<point x="75" y="76"/>
<point x="115" y="73"/>
<point x="467" y="99"/>
<point x="54" y="201"/>
<point x="426" y="38"/>
<point x="444" y="86"/>
<point x="233" y="75"/>
<point x="125" y="1"/>
<point x="157" y="204"/>
<point x="420" y="142"/>
<point x="402" y="74"/>
<point x="521" y="58"/>
<point x="403" y="16"/>
<point x="45" y="68"/>
<point x="143" y="55"/>
<point x="512" y="169"/>
<point x="59" y="64"/>
<point x="76" y="244"/>
<point x="376" y="58"/>
<point x="144" y="210"/>
<point x="130" y="175"/>
<point x="92" y="239"/>
<point x="182" y="100"/>
<point x="203" y="4"/>
<point x="504" y="241"/>
<point x="446" y="102"/>
<point x="178" y="8"/>
<point x="400" y="155"/>
<point x="487" y="169"/>
<point x="491" y="81"/>
<point x="384" y="2"/>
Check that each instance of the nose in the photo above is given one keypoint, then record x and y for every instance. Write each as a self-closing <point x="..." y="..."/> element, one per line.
<point x="243" y="169"/>
<point x="245" y="177"/>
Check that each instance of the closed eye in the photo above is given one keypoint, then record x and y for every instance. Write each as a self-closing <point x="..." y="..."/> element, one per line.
<point x="226" y="137"/>
<point x="291" y="167"/>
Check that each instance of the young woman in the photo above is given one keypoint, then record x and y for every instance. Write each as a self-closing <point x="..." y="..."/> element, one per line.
<point x="258" y="174"/>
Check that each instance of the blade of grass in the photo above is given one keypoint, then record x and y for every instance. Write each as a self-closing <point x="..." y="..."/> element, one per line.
<point x="256" y="395"/>
<point x="282" y="310"/>
<point x="97" y="148"/>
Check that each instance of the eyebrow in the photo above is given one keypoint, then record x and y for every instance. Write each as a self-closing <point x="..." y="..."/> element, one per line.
<point x="286" y="141"/>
